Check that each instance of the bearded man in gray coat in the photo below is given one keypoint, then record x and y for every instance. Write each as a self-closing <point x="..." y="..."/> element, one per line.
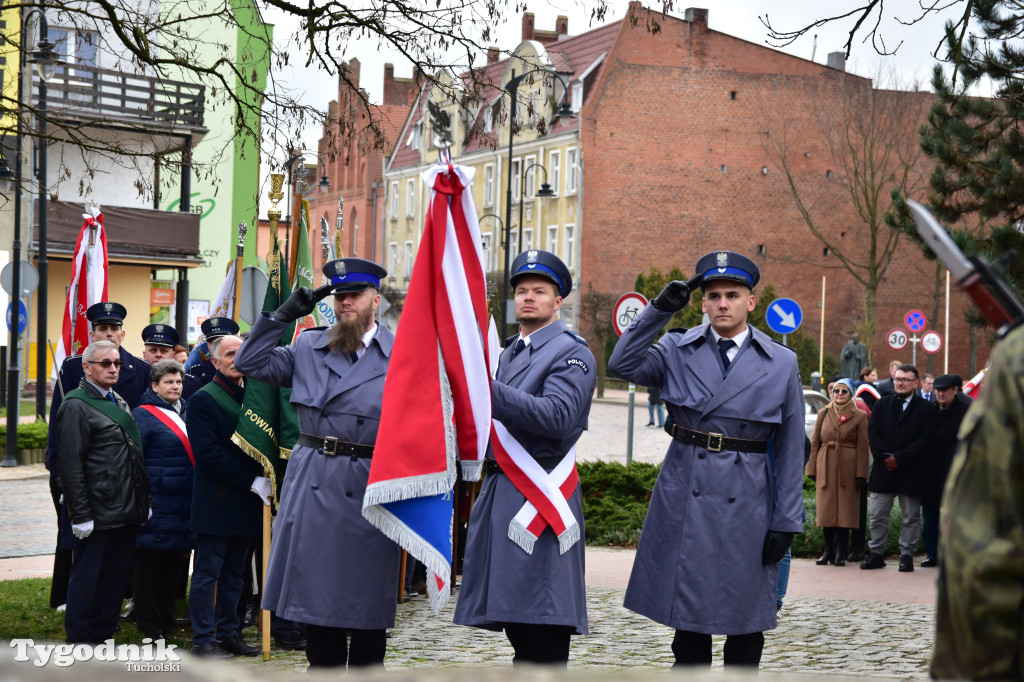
<point x="728" y="500"/>
<point x="329" y="568"/>
<point x="516" y="578"/>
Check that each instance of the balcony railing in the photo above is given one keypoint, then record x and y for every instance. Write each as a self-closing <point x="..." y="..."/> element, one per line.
<point x="104" y="93"/>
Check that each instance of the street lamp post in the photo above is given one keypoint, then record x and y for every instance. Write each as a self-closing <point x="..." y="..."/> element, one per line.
<point x="544" y="191"/>
<point x="564" y="111"/>
<point x="46" y="60"/>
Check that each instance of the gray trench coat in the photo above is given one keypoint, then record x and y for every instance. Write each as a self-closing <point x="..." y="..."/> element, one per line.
<point x="698" y="566"/>
<point x="328" y="565"/>
<point x="543" y="397"/>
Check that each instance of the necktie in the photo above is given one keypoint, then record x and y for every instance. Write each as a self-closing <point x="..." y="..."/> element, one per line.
<point x="723" y="349"/>
<point x="518" y="348"/>
<point x="110" y="397"/>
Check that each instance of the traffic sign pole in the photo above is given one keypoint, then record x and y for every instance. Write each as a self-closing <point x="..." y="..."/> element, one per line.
<point x="915" y="339"/>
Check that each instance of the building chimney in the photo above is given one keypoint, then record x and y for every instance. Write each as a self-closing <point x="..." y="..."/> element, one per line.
<point x="561" y="26"/>
<point x="836" y="60"/>
<point x="527" y="26"/>
<point x="493" y="55"/>
<point x="696" y="15"/>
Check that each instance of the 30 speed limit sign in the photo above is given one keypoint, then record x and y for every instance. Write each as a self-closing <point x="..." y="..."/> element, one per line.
<point x="931" y="342"/>
<point x="897" y="339"/>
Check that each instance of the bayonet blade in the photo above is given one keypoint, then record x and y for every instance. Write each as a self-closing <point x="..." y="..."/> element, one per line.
<point x="939" y="241"/>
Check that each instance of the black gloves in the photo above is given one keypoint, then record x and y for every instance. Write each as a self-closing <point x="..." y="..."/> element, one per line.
<point x="300" y="303"/>
<point x="676" y="294"/>
<point x="776" y="544"/>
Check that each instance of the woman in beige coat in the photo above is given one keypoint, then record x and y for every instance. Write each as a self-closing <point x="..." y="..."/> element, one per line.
<point x="839" y="467"/>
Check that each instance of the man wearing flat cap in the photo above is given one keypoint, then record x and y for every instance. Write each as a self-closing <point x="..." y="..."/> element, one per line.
<point x="106" y="321"/>
<point x="939" y="459"/>
<point x="329" y="568"/>
<point x="528" y="579"/>
<point x="159" y="341"/>
<point x="728" y="500"/>
<point x="199" y="363"/>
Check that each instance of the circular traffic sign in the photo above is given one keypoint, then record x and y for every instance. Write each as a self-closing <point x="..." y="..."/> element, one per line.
<point x="29" y="278"/>
<point x="784" y="316"/>
<point x="915" y="321"/>
<point x="896" y="339"/>
<point x="931" y="342"/>
<point x="22" y="316"/>
<point x="626" y="309"/>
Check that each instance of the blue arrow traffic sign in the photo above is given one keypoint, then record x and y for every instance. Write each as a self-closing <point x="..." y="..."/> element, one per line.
<point x="784" y="316"/>
<point x="22" y="316"/>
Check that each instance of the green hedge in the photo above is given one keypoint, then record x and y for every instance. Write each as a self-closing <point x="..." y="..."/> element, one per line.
<point x="616" y="497"/>
<point x="31" y="436"/>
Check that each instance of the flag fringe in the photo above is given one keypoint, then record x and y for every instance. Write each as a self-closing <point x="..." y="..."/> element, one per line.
<point x="254" y="452"/>
<point x="569" y="537"/>
<point x="401" y="534"/>
<point x="471" y="469"/>
<point x="398" y="489"/>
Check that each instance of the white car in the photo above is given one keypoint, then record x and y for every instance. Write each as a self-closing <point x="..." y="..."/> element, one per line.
<point x="813" y="401"/>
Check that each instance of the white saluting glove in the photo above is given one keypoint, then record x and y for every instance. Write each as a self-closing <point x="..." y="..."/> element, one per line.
<point x="261" y="486"/>
<point x="82" y="530"/>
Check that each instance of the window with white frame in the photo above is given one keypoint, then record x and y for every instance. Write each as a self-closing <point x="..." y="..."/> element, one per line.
<point x="76" y="46"/>
<point x="571" y="163"/>
<point x="392" y="258"/>
<point x="570" y="246"/>
<point x="410" y="197"/>
<point x="489" y="184"/>
<point x="531" y="177"/>
<point x="577" y="96"/>
<point x="553" y="239"/>
<point x="514" y="241"/>
<point x="555" y="171"/>
<point x="515" y="179"/>
<point x="488" y="117"/>
<point x="394" y="201"/>
<point x="487" y="244"/>
<point x="528" y="239"/>
<point x="407" y="265"/>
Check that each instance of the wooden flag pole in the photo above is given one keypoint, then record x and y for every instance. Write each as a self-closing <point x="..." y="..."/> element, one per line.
<point x="239" y="252"/>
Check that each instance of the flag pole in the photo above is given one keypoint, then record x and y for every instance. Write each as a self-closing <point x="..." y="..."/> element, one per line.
<point x="273" y="216"/>
<point x="339" y="224"/>
<point x="239" y="252"/>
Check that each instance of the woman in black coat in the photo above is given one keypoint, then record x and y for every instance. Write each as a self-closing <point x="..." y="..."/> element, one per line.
<point x="163" y="542"/>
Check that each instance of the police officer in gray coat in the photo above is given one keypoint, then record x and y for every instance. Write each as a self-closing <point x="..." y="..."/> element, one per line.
<point x="329" y="568"/>
<point x="721" y="515"/>
<point x="542" y="395"/>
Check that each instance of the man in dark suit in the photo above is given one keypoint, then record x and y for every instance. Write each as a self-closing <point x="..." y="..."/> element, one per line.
<point x="886" y="386"/>
<point x="226" y="515"/>
<point x="899" y="431"/>
<point x="944" y="442"/>
<point x="106" y="321"/>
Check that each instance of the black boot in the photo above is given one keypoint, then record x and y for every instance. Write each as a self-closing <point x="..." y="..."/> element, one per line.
<point x="842" y="537"/>
<point x="829" y="552"/>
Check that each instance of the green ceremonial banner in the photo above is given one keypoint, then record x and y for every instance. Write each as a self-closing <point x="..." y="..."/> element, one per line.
<point x="303" y="276"/>
<point x="268" y="426"/>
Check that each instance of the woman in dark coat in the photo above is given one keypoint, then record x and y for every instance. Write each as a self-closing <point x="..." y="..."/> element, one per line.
<point x="166" y="538"/>
<point x="839" y="467"/>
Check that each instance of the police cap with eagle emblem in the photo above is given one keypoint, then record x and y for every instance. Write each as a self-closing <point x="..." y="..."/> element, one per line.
<point x="214" y="327"/>
<point x="728" y="265"/>
<point x="160" y="335"/>
<point x="106" y="312"/>
<point x="544" y="264"/>
<point x="353" y="274"/>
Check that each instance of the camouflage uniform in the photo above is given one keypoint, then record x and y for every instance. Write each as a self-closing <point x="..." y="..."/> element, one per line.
<point x="980" y="619"/>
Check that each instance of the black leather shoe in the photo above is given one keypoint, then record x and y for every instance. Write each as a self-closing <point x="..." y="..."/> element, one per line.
<point x="290" y="642"/>
<point x="874" y="560"/>
<point x="929" y="563"/>
<point x="825" y="558"/>
<point x="906" y="563"/>
<point x="236" y="647"/>
<point x="856" y="557"/>
<point x="209" y="650"/>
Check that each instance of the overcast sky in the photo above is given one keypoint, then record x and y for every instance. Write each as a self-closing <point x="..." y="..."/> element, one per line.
<point x="912" y="63"/>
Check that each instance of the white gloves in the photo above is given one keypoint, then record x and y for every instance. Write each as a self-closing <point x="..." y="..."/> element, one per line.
<point x="150" y="514"/>
<point x="82" y="530"/>
<point x="261" y="486"/>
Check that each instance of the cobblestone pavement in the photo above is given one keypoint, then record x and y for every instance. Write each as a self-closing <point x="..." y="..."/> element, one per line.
<point x="816" y="636"/>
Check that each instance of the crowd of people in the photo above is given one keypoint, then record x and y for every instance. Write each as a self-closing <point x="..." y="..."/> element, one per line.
<point x="147" y="477"/>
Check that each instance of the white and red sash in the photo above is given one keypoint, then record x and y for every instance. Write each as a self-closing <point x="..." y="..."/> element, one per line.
<point x="173" y="421"/>
<point x="547" y="494"/>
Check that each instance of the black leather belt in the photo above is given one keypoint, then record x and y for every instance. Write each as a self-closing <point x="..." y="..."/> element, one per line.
<point x="491" y="466"/>
<point x="716" y="442"/>
<point x="332" y="447"/>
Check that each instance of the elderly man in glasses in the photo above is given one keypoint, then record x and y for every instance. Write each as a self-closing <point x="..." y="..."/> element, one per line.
<point x="106" y="492"/>
<point x="106" y="323"/>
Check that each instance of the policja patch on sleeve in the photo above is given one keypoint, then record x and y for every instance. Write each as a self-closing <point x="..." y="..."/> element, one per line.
<point x="579" y="363"/>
